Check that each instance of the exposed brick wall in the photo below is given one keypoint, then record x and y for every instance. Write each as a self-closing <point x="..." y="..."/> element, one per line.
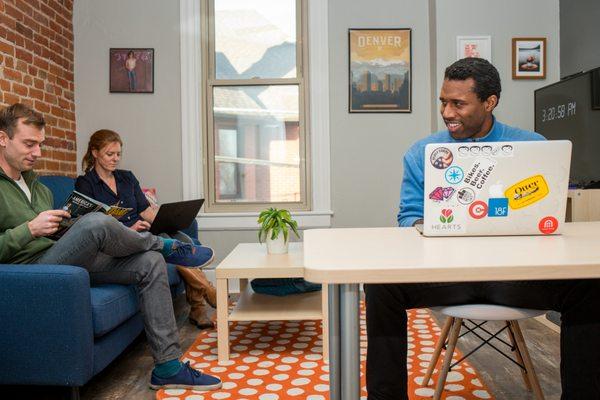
<point x="36" y="68"/>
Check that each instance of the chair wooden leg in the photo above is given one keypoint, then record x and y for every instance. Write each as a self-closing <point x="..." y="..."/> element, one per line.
<point x="524" y="374"/>
<point x="535" y="384"/>
<point x="454" y="333"/>
<point x="438" y="350"/>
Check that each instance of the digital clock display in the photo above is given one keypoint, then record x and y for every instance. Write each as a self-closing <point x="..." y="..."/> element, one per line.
<point x="559" y="111"/>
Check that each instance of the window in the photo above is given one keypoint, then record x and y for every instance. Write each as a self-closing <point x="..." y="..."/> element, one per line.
<point x="255" y="115"/>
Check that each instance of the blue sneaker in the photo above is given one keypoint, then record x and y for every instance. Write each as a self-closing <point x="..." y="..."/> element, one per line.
<point x="190" y="255"/>
<point x="186" y="378"/>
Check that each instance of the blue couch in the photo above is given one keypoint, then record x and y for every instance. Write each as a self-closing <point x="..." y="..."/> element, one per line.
<point x="57" y="329"/>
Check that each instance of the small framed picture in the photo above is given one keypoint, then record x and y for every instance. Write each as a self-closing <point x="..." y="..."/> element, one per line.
<point x="474" y="46"/>
<point x="529" y="58"/>
<point x="380" y="70"/>
<point x="131" y="70"/>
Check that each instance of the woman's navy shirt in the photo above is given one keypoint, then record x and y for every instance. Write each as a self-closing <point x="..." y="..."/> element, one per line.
<point x="129" y="194"/>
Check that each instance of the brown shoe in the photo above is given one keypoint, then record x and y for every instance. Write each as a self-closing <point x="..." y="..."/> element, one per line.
<point x="196" y="278"/>
<point x="198" y="308"/>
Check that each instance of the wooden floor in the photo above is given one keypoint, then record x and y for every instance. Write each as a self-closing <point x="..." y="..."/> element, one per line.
<point x="128" y="376"/>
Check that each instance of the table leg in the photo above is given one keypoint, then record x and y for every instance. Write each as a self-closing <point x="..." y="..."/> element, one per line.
<point x="222" y="320"/>
<point x="325" y="322"/>
<point x="334" y="341"/>
<point x="350" y="341"/>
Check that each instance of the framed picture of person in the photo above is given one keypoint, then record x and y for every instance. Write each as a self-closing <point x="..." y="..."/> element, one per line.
<point x="380" y="70"/>
<point x="131" y="70"/>
<point x="474" y="46"/>
<point x="529" y="58"/>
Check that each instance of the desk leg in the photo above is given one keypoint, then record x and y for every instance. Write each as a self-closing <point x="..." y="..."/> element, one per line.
<point x="222" y="320"/>
<point x="350" y="341"/>
<point x="334" y="341"/>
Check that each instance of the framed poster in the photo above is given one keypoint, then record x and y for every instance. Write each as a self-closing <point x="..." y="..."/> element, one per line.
<point x="474" y="46"/>
<point x="380" y="70"/>
<point x="529" y="58"/>
<point x="131" y="70"/>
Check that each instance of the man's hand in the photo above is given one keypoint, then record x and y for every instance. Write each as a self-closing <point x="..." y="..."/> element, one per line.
<point x="46" y="223"/>
<point x="140" y="226"/>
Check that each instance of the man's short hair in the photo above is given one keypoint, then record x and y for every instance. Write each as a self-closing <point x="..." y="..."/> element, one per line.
<point x="10" y="116"/>
<point x="485" y="75"/>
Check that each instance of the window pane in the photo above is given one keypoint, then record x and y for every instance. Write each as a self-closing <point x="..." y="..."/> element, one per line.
<point x="260" y="160"/>
<point x="255" y="39"/>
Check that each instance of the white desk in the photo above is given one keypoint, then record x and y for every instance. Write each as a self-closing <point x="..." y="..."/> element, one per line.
<point x="249" y="261"/>
<point x="344" y="258"/>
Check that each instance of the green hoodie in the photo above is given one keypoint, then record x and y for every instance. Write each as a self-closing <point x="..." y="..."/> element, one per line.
<point x="17" y="246"/>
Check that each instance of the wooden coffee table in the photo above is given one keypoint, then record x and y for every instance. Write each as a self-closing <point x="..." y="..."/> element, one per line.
<point x="250" y="260"/>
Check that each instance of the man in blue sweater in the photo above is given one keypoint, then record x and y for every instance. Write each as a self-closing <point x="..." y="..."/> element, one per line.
<point x="469" y="95"/>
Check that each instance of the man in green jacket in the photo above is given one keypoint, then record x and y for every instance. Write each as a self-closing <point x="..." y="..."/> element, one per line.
<point x="111" y="252"/>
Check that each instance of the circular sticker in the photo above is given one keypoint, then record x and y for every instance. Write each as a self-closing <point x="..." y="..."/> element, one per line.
<point x="465" y="196"/>
<point x="478" y="209"/>
<point x="454" y="175"/>
<point x="441" y="158"/>
<point x="548" y="225"/>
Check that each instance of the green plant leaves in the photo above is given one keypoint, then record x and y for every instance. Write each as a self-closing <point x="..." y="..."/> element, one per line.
<point x="276" y="221"/>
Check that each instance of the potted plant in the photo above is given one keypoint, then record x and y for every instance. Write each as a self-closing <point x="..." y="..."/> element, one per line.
<point x="275" y="226"/>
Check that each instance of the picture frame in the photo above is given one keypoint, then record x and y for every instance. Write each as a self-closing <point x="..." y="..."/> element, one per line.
<point x="529" y="58"/>
<point x="380" y="70"/>
<point x="474" y="46"/>
<point x="131" y="70"/>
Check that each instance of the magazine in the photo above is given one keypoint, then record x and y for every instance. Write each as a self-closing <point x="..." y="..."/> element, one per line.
<point x="78" y="204"/>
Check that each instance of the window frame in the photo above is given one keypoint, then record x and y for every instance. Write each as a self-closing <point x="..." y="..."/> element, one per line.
<point x="210" y="82"/>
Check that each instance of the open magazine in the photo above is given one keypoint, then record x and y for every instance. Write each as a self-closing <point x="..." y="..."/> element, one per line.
<point x="78" y="204"/>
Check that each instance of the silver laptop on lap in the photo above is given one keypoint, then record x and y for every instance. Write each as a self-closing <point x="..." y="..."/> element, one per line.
<point x="496" y="188"/>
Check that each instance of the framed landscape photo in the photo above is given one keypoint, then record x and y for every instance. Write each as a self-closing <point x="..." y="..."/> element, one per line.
<point x="380" y="70"/>
<point x="131" y="70"/>
<point x="474" y="46"/>
<point x="529" y="58"/>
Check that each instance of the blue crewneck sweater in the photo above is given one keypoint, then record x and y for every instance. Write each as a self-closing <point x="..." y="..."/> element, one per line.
<point x="413" y="182"/>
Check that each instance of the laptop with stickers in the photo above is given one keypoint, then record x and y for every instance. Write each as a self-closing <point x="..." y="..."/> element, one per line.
<point x="496" y="188"/>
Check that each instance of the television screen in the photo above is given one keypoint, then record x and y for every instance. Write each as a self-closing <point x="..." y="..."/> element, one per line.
<point x="565" y="110"/>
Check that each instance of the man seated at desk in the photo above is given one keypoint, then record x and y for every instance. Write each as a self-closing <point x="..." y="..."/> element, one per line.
<point x="469" y="95"/>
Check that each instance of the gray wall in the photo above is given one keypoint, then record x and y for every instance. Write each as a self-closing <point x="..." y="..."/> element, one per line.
<point x="366" y="150"/>
<point x="150" y="124"/>
<point x="511" y="18"/>
<point x="579" y="33"/>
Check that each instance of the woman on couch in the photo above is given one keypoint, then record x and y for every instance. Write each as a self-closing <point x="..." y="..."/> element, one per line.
<point x="104" y="182"/>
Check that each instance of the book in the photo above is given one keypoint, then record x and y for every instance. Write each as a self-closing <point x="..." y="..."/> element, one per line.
<point x="78" y="204"/>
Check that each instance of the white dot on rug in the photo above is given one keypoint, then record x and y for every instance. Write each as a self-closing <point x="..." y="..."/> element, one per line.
<point x="289" y="360"/>
<point x="219" y="396"/>
<point x="295" y="392"/>
<point x="283" y="368"/>
<point x="476" y="382"/>
<point x="274" y="387"/>
<point x="260" y="372"/>
<point x="455" y="398"/>
<point x="218" y="369"/>
<point x="265" y="364"/>
<point x="256" y="352"/>
<point x="425" y="392"/>
<point x="254" y="382"/>
<point x="242" y="368"/>
<point x="313" y="357"/>
<point x="306" y="372"/>
<point x="454" y="376"/>
<point x="248" y="391"/>
<point x="268" y="396"/>
<point x="229" y="385"/>
<point x="300" y="382"/>
<point x="322" y="388"/>
<point x="250" y="359"/>
<point x="174" y="392"/>
<point x="195" y="397"/>
<point x="235" y="375"/>
<point x="281" y="377"/>
<point x="315" y="397"/>
<point x="482" y="394"/>
<point x="273" y="356"/>
<point x="324" y="378"/>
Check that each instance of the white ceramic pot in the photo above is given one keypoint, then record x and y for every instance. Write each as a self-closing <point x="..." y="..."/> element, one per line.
<point x="277" y="246"/>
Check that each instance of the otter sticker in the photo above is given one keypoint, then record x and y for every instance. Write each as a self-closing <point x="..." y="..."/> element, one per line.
<point x="479" y="173"/>
<point x="527" y="192"/>
<point x="441" y="158"/>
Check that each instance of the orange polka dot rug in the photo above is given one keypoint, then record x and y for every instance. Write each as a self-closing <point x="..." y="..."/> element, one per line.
<point x="281" y="360"/>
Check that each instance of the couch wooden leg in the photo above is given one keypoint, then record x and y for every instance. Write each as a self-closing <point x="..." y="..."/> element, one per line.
<point x="73" y="393"/>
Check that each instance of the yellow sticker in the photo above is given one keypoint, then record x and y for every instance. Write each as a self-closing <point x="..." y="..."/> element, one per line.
<point x="527" y="192"/>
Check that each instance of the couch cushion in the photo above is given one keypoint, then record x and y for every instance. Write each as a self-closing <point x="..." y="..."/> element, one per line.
<point x="111" y="306"/>
<point x="61" y="187"/>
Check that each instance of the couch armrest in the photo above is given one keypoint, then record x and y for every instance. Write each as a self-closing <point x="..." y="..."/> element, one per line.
<point x="46" y="334"/>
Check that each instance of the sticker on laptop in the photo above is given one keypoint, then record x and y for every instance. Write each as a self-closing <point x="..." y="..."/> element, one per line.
<point x="441" y="158"/>
<point x="527" y="192"/>
<point x="479" y="173"/>
<point x="441" y="194"/>
<point x="449" y="219"/>
<point x="465" y="196"/>
<point x="454" y="175"/>
<point x="478" y="209"/>
<point x="488" y="150"/>
<point x="548" y="225"/>
<point x="497" y="203"/>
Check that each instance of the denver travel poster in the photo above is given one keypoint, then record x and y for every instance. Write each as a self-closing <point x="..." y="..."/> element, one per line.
<point x="380" y="70"/>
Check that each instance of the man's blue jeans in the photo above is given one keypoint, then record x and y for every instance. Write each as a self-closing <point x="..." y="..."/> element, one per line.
<point x="113" y="253"/>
